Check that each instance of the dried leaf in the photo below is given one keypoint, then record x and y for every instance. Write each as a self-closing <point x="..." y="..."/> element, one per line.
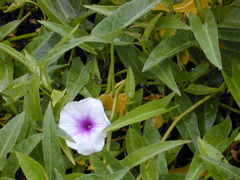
<point x="107" y="101"/>
<point x="185" y="6"/>
<point x="181" y="170"/>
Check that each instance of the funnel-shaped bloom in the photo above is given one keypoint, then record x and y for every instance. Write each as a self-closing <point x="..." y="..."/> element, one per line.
<point x="85" y="122"/>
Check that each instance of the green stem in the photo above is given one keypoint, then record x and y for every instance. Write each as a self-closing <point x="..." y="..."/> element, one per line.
<point x="25" y="36"/>
<point x="230" y="108"/>
<point x="121" y="72"/>
<point x="118" y="90"/>
<point x="190" y="109"/>
<point x="111" y="79"/>
<point x="179" y="117"/>
<point x="109" y="136"/>
<point x="111" y="88"/>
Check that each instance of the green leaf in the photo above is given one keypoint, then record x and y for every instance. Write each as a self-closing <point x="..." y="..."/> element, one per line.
<point x="173" y="176"/>
<point x="216" y="139"/>
<point x="218" y="135"/>
<point x="58" y="175"/>
<point x="148" y="152"/>
<point x="233" y="82"/>
<point x="42" y="44"/>
<point x="65" y="7"/>
<point x="17" y="89"/>
<point x="237" y="138"/>
<point x="55" y="53"/>
<point x="196" y="168"/>
<point x="73" y="176"/>
<point x="207" y="114"/>
<point x="149" y="28"/>
<point x="114" y="176"/>
<point x="199" y="89"/>
<point x="199" y="71"/>
<point x="8" y="28"/>
<point x="9" y="135"/>
<point x="229" y="34"/>
<point x="61" y="133"/>
<point x="26" y="146"/>
<point x="78" y="76"/>
<point x="188" y="126"/>
<point x="207" y="36"/>
<point x="143" y="112"/>
<point x="104" y="10"/>
<point x="33" y="101"/>
<point x="169" y="47"/>
<point x="163" y="72"/>
<point x="98" y="166"/>
<point x="64" y="30"/>
<point x="133" y="141"/>
<point x="149" y="170"/>
<point x="30" y="63"/>
<point x="129" y="57"/>
<point x="229" y="170"/>
<point x="6" y="70"/>
<point x="207" y="150"/>
<point x="230" y="18"/>
<point x="172" y="22"/>
<point x="123" y="17"/>
<point x="94" y="86"/>
<point x="31" y="168"/>
<point x="130" y="84"/>
<point x="48" y="8"/>
<point x="51" y="145"/>
<point x="115" y="165"/>
<point x="67" y="151"/>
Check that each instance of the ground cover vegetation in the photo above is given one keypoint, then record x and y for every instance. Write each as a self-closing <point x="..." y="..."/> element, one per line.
<point x="166" y="71"/>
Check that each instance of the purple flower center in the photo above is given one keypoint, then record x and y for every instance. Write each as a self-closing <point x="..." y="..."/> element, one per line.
<point x="85" y="125"/>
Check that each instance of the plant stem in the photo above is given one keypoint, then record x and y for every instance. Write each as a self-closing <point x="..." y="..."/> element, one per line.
<point x="230" y="108"/>
<point x="190" y="109"/>
<point x="179" y="117"/>
<point x="25" y="36"/>
<point x="111" y="86"/>
<point x="111" y="79"/>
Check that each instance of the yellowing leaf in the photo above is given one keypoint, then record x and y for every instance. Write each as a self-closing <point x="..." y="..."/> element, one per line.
<point x="107" y="101"/>
<point x="153" y="97"/>
<point x="158" y="121"/>
<point x="122" y="99"/>
<point x="56" y="96"/>
<point x="185" y="6"/>
<point x="181" y="170"/>
<point x="90" y="168"/>
<point x="185" y="58"/>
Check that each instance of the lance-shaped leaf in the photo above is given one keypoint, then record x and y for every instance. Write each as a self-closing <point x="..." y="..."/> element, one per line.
<point x="231" y="77"/>
<point x="104" y="10"/>
<point x="31" y="168"/>
<point x="169" y="47"/>
<point x="148" y="152"/>
<point x="7" y="28"/>
<point x="9" y="134"/>
<point x="229" y="170"/>
<point x="143" y="112"/>
<point x="199" y="89"/>
<point x="123" y="17"/>
<point x="26" y="146"/>
<point x="51" y="145"/>
<point x="207" y="36"/>
<point x="30" y="63"/>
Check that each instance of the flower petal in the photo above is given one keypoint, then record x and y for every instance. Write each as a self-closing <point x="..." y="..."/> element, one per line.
<point x="85" y="122"/>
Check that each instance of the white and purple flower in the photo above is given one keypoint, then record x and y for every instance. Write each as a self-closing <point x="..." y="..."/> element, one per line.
<point x="85" y="122"/>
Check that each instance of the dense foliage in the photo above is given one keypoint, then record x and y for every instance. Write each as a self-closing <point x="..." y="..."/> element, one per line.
<point x="165" y="71"/>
